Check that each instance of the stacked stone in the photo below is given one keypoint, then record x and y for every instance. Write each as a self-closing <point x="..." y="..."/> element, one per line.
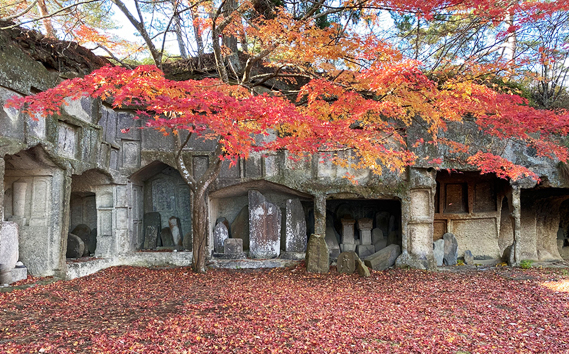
<point x="366" y="248"/>
<point x="348" y="239"/>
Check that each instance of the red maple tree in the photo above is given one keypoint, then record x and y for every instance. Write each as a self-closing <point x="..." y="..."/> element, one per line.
<point x="361" y="94"/>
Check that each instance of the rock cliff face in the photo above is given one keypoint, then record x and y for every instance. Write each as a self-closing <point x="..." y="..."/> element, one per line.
<point x="79" y="168"/>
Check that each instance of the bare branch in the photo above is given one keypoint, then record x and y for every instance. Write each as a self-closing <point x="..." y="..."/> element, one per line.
<point x="23" y="12"/>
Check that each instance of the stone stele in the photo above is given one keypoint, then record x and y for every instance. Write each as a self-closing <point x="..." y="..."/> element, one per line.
<point x="451" y="249"/>
<point x="264" y="227"/>
<point x="220" y="234"/>
<point x="317" y="256"/>
<point x="295" y="227"/>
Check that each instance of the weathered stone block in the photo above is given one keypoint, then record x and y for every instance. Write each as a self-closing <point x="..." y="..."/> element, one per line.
<point x="93" y="241"/>
<point x="19" y="273"/>
<point x="365" y="250"/>
<point x="75" y="246"/>
<point x="317" y="256"/>
<point x="233" y="246"/>
<point x="346" y="263"/>
<point x="439" y="251"/>
<point x="347" y="247"/>
<point x="152" y="226"/>
<point x="220" y="234"/>
<point x="150" y="237"/>
<point x="377" y="236"/>
<point x="365" y="225"/>
<point x="332" y="241"/>
<point x="348" y="231"/>
<point x="264" y="227"/>
<point x="362" y="269"/>
<point x="295" y="227"/>
<point x="451" y="249"/>
<point x="468" y="258"/>
<point x="225" y="222"/>
<point x="383" y="259"/>
<point x="84" y="233"/>
<point x="9" y="253"/>
<point x="166" y="237"/>
<point x="382" y="221"/>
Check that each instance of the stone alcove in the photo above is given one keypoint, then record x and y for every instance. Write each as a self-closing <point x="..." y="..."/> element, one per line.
<point x="165" y="201"/>
<point x="33" y="198"/>
<point x="86" y="189"/>
<point x="362" y="225"/>
<point x="232" y="204"/>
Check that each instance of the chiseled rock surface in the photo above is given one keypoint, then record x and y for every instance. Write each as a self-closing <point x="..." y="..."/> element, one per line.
<point x="362" y="269"/>
<point x="468" y="258"/>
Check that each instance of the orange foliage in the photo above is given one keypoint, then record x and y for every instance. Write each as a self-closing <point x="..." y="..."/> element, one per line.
<point x="363" y="94"/>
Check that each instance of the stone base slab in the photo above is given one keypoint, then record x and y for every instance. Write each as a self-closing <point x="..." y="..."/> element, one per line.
<point x="297" y="256"/>
<point x="241" y="255"/>
<point x="251" y="263"/>
<point x="19" y="273"/>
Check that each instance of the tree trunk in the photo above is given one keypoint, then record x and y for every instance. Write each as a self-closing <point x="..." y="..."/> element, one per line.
<point x="50" y="31"/>
<point x="178" y="30"/>
<point x="199" y="232"/>
<point x="197" y="34"/>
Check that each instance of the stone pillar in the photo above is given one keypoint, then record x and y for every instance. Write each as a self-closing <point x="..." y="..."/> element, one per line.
<point x="320" y="214"/>
<point x="104" y="197"/>
<point x="516" y="215"/>
<point x="418" y="214"/>
<point x="65" y="219"/>
<point x="348" y="240"/>
<point x="19" y="201"/>
<point x="122" y="234"/>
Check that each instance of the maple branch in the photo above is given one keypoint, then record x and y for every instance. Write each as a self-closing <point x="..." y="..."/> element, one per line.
<point x="255" y="59"/>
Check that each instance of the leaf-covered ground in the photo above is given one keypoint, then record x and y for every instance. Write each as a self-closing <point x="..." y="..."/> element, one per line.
<point x="138" y="310"/>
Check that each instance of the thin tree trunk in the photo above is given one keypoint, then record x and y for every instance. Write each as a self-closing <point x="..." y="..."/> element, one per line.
<point x="139" y="25"/>
<point x="49" y="30"/>
<point x="511" y="39"/>
<point x="197" y="34"/>
<point x="178" y="30"/>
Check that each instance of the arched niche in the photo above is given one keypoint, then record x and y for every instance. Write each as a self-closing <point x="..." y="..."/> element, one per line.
<point x="34" y="188"/>
<point x="164" y="195"/>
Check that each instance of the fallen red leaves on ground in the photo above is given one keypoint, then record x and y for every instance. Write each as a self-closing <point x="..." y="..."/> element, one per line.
<point x="139" y="310"/>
